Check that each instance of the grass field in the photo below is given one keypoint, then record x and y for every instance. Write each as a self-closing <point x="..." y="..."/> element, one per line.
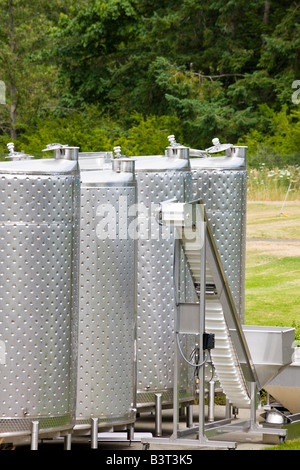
<point x="273" y="270"/>
<point x="266" y="184"/>
<point x="273" y="265"/>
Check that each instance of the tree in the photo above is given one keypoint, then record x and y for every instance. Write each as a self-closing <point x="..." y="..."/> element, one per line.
<point x="211" y="63"/>
<point x="24" y="27"/>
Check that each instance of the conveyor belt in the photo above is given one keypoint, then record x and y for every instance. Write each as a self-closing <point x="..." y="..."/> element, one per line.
<point x="224" y="357"/>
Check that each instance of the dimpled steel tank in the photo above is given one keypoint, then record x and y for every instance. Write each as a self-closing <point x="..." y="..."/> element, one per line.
<point x="106" y="341"/>
<point x="159" y="178"/>
<point x="221" y="183"/>
<point x="39" y="208"/>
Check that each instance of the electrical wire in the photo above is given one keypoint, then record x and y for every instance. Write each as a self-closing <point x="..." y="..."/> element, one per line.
<point x="186" y="360"/>
<point x="213" y="370"/>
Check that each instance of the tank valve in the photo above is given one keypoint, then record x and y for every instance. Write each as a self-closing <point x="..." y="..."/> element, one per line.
<point x="11" y="147"/>
<point x="176" y="150"/>
<point x="17" y="155"/>
<point x="218" y="147"/>
<point x="172" y="140"/>
<point x="117" y="151"/>
<point x="54" y="147"/>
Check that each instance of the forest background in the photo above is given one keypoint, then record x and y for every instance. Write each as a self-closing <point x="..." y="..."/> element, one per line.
<point x="96" y="74"/>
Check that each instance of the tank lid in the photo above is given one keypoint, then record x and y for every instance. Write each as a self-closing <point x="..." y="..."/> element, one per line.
<point x="64" y="152"/>
<point x="234" y="158"/>
<point x="159" y="163"/>
<point x="95" y="160"/>
<point x="54" y="147"/>
<point x="218" y="147"/>
<point x="222" y="163"/>
<point x="40" y="166"/>
<point x="106" y="178"/>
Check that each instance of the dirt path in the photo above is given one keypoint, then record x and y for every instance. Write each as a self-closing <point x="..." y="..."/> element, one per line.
<point x="265" y="225"/>
<point x="275" y="247"/>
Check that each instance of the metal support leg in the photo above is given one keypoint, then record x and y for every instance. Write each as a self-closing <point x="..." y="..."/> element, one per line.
<point x="130" y="432"/>
<point x="228" y="409"/>
<point x="68" y="441"/>
<point x="158" y="415"/>
<point x="94" y="433"/>
<point x="235" y="411"/>
<point x="189" y="416"/>
<point x="201" y="332"/>
<point x="211" y="402"/>
<point x="253" y="397"/>
<point x="34" y="435"/>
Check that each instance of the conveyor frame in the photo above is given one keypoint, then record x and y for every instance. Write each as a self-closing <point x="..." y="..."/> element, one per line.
<point x="196" y="325"/>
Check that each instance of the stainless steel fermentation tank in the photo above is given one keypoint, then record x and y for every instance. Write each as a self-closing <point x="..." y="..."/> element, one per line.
<point x="159" y="178"/>
<point x="39" y="202"/>
<point x="106" y="341"/>
<point x="221" y="183"/>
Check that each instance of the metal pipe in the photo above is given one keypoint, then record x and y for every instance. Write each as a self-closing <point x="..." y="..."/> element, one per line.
<point x="34" y="435"/>
<point x="176" y="277"/>
<point x="228" y="409"/>
<point x="158" y="414"/>
<point x="130" y="432"/>
<point x="123" y="165"/>
<point x="211" y="401"/>
<point x="189" y="416"/>
<point x="94" y="433"/>
<point x="67" y="153"/>
<point x="201" y="331"/>
<point x="68" y="441"/>
<point x="253" y="390"/>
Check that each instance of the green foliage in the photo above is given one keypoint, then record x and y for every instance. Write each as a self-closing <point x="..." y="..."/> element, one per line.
<point x="276" y="141"/>
<point x="211" y="64"/>
<point x="23" y="31"/>
<point x="90" y="47"/>
<point x="93" y="132"/>
<point x="215" y="68"/>
<point x="148" y="136"/>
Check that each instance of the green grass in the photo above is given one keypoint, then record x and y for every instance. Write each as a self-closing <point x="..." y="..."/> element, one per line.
<point x="266" y="184"/>
<point x="288" y="445"/>
<point x="273" y="268"/>
<point x="272" y="291"/>
<point x="264" y="220"/>
<point x="273" y="271"/>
